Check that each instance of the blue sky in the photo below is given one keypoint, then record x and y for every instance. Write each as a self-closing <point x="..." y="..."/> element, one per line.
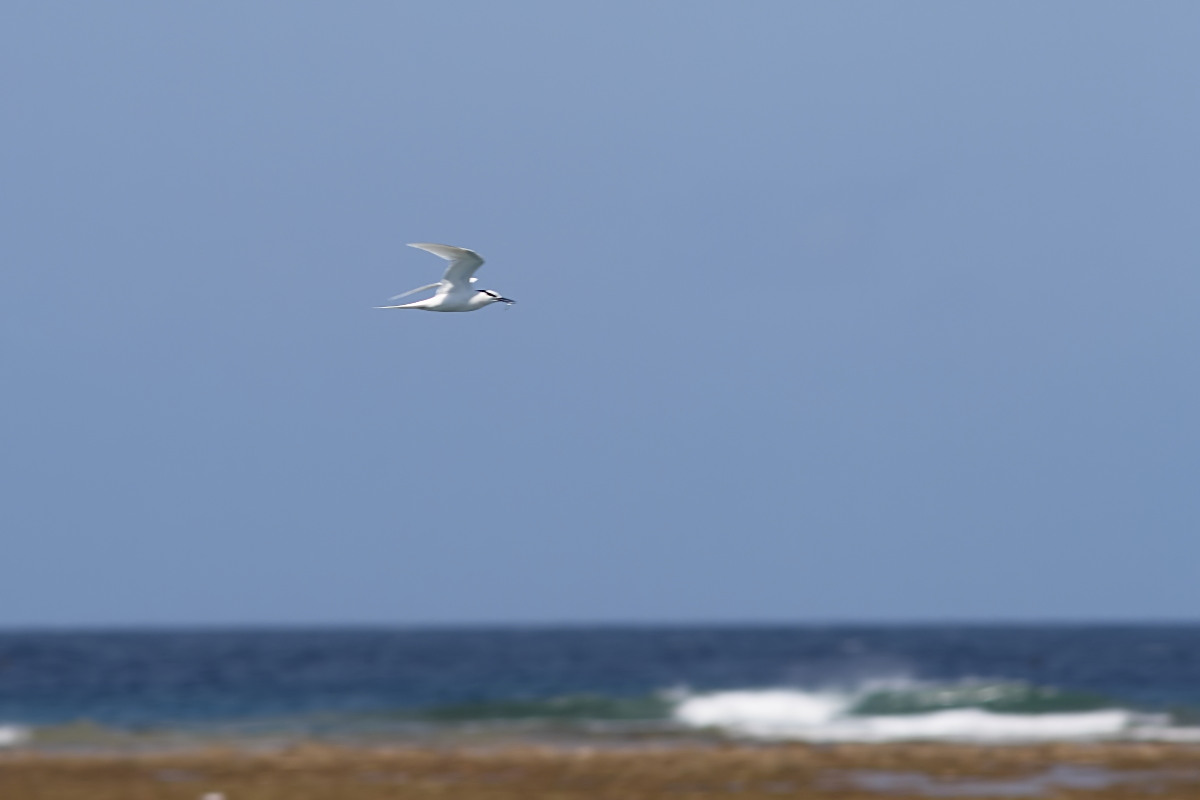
<point x="826" y="311"/>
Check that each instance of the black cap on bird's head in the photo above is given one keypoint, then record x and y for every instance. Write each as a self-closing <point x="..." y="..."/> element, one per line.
<point x="496" y="297"/>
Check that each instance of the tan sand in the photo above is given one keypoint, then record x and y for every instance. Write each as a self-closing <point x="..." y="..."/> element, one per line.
<point x="312" y="772"/>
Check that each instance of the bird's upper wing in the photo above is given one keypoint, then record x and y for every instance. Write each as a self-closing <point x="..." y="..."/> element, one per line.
<point x="463" y="262"/>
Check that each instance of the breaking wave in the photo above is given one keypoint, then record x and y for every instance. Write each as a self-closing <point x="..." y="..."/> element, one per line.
<point x="888" y="711"/>
<point x="13" y="735"/>
<point x="965" y="712"/>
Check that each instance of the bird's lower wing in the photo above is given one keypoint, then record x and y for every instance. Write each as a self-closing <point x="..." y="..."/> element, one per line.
<point x="413" y="291"/>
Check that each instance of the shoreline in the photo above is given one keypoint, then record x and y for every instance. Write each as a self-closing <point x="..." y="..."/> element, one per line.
<point x="637" y="771"/>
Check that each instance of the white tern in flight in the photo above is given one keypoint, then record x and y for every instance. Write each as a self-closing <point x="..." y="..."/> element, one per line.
<point x="454" y="291"/>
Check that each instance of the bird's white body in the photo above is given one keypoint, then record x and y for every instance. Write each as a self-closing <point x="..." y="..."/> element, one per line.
<point x="456" y="290"/>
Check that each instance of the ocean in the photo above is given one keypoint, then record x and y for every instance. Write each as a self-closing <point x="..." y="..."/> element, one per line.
<point x="868" y="683"/>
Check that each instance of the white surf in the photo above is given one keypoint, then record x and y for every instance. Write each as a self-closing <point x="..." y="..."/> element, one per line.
<point x="794" y="714"/>
<point x="11" y="735"/>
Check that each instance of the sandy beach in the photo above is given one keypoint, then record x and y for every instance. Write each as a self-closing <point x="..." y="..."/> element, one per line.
<point x="646" y="772"/>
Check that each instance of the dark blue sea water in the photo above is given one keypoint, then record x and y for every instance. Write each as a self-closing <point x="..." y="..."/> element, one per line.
<point x="839" y="682"/>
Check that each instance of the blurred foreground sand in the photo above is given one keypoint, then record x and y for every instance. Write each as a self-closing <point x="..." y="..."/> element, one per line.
<point x="312" y="772"/>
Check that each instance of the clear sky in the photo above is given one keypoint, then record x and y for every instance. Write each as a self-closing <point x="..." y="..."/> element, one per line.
<point x="826" y="311"/>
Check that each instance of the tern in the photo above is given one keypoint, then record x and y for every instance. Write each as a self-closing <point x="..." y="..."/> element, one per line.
<point x="454" y="290"/>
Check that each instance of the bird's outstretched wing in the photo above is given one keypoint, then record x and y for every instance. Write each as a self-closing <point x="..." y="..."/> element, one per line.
<point x="414" y="291"/>
<point x="463" y="263"/>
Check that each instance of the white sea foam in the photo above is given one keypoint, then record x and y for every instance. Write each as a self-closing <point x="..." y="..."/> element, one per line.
<point x="12" y="735"/>
<point x="826" y="717"/>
